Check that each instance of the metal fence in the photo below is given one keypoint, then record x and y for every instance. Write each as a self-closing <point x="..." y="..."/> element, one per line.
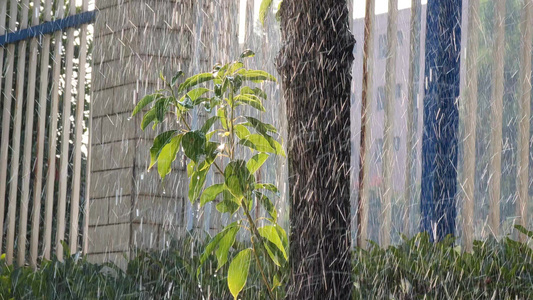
<point x="45" y="128"/>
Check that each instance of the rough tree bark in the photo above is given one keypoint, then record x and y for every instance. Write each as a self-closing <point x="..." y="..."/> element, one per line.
<point x="315" y="64"/>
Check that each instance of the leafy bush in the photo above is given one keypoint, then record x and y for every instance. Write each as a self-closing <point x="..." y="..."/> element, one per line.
<point x="415" y="269"/>
<point x="419" y="269"/>
<point x="227" y="93"/>
<point x="171" y="273"/>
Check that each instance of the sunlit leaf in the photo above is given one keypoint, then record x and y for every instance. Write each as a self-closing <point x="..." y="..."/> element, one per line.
<point x="267" y="186"/>
<point x="197" y="183"/>
<point x="238" y="271"/>
<point x="148" y="118"/>
<point x="257" y="142"/>
<point x="256" y="162"/>
<point x="256" y="75"/>
<point x="270" y="233"/>
<point x="268" y="206"/>
<point x="245" y="90"/>
<point x="261" y="127"/>
<point x="159" y="142"/>
<point x="144" y="102"/>
<point x="241" y="131"/>
<point x="263" y="10"/>
<point x="221" y="113"/>
<point x="247" y="53"/>
<point x="214" y="243"/>
<point x="225" y="244"/>
<point x="176" y="77"/>
<point x="195" y="80"/>
<point x="234" y="67"/>
<point x="211" y="193"/>
<point x="238" y="179"/>
<point x="194" y="94"/>
<point x="167" y="156"/>
<point x="251" y="100"/>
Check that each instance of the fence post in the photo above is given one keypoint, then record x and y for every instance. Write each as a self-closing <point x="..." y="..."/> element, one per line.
<point x="439" y="143"/>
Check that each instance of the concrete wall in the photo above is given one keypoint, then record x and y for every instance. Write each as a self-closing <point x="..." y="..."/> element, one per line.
<point x="131" y="208"/>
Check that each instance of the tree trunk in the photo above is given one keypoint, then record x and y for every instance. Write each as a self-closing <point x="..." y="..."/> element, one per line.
<point x="315" y="64"/>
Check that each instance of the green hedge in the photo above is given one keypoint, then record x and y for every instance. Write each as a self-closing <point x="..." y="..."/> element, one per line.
<point x="419" y="269"/>
<point x="415" y="269"/>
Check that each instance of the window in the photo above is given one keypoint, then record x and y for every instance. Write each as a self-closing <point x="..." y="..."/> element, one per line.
<point x="398" y="90"/>
<point x="381" y="98"/>
<point x="400" y="38"/>
<point x="382" y="46"/>
<point x="396" y="143"/>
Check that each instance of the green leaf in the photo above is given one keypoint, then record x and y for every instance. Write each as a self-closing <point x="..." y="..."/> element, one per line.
<point x="227" y="206"/>
<point x="270" y="233"/>
<point x="225" y="243"/>
<point x="256" y="75"/>
<point x="234" y="67"/>
<point x="145" y="101"/>
<point x="190" y="168"/>
<point x="211" y="193"/>
<point x="241" y="131"/>
<point x="523" y="230"/>
<point x="271" y="250"/>
<point x="193" y="143"/>
<point x="251" y="100"/>
<point x="261" y="127"/>
<point x="159" y="142"/>
<point x="176" y="77"/>
<point x="268" y="206"/>
<point x="195" y="80"/>
<point x="256" y="162"/>
<point x="238" y="179"/>
<point x="257" y="142"/>
<point x="214" y="243"/>
<point x="247" y="52"/>
<point x="283" y="236"/>
<point x="148" y="118"/>
<point x="208" y="123"/>
<point x="221" y="113"/>
<point x="197" y="182"/>
<point x="263" y="10"/>
<point x="245" y="90"/>
<point x="238" y="271"/>
<point x="195" y="94"/>
<point x="267" y="186"/>
<point x="167" y="156"/>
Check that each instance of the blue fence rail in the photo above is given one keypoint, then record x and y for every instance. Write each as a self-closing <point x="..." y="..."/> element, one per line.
<point x="48" y="27"/>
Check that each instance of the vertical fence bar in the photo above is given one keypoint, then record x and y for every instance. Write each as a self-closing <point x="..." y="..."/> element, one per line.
<point x="28" y="134"/>
<point x="6" y="116"/>
<point x="41" y="127"/>
<point x="412" y="97"/>
<point x="3" y="163"/>
<point x="52" y="139"/>
<point x="496" y="116"/>
<point x="366" y="116"/>
<point x="12" y="204"/>
<point x="80" y="107"/>
<point x="388" y="134"/>
<point x="65" y="138"/>
<point x="524" y="115"/>
<point x="470" y="97"/>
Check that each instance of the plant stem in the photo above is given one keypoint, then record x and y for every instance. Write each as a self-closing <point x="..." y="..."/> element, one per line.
<point x="232" y="132"/>
<point x="260" y="238"/>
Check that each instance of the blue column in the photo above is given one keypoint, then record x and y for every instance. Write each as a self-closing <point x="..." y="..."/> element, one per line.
<point x="441" y="117"/>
